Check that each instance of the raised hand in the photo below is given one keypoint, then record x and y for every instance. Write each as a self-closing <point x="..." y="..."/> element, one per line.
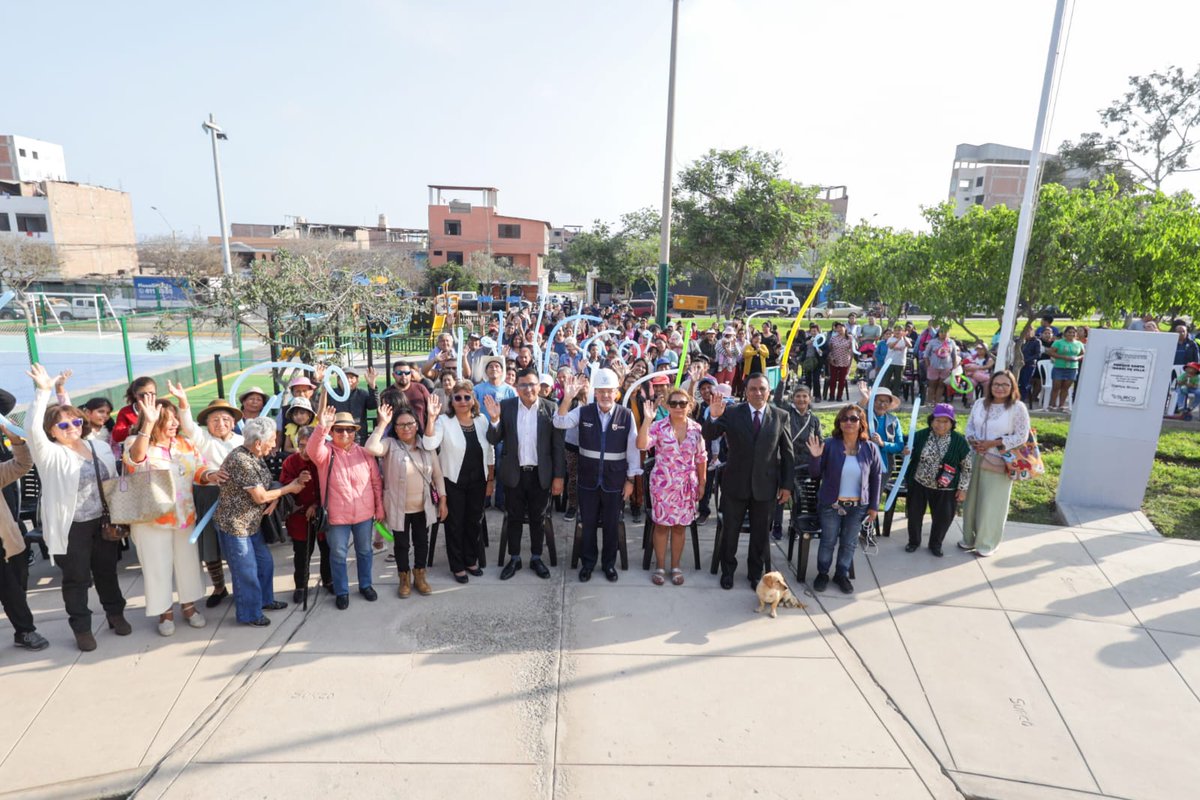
<point x="41" y="378"/>
<point x="433" y="405"/>
<point x="384" y="414"/>
<point x="61" y="380"/>
<point x="815" y="446"/>
<point x="328" y="415"/>
<point x="716" y="406"/>
<point x="176" y="391"/>
<point x="649" y="408"/>
<point x="319" y="374"/>
<point x="493" y="408"/>
<point x="148" y="411"/>
<point x="372" y="376"/>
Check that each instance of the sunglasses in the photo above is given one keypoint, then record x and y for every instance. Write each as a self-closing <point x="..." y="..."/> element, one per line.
<point x="677" y="403"/>
<point x="463" y="398"/>
<point x="855" y="420"/>
<point x="67" y="424"/>
<point x="344" y="430"/>
<point x="401" y="372"/>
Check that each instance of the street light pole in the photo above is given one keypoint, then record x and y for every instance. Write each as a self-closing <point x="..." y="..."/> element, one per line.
<point x="1004" y="347"/>
<point x="664" y="249"/>
<point x="167" y="221"/>
<point x="214" y="131"/>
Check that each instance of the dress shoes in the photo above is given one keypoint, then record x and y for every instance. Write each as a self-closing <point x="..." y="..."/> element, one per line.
<point x="369" y="594"/>
<point x="464" y="578"/>
<point x="821" y="583"/>
<point x="585" y="574"/>
<point x="726" y="581"/>
<point x="540" y="569"/>
<point x="611" y="574"/>
<point x="342" y="602"/>
<point x="937" y="551"/>
<point x="510" y="568"/>
<point x="475" y="572"/>
<point x="843" y="583"/>
<point x="911" y="548"/>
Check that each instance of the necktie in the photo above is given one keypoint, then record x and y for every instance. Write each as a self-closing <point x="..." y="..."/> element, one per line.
<point x="757" y="422"/>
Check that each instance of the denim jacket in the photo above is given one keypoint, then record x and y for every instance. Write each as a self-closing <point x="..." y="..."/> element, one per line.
<point x="829" y="469"/>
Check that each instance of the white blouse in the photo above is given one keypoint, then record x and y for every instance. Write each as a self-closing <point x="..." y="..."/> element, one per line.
<point x="1008" y="424"/>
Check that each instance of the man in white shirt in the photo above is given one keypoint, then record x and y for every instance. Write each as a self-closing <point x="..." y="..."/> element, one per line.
<point x="609" y="460"/>
<point x="532" y="466"/>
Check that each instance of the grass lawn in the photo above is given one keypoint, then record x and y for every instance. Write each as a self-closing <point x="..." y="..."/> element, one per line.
<point x="983" y="328"/>
<point x="1172" y="501"/>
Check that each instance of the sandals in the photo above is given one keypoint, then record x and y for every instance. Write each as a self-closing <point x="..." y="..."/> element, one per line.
<point x="658" y="577"/>
<point x="677" y="576"/>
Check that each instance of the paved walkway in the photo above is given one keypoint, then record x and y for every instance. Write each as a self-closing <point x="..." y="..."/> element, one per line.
<point x="1064" y="666"/>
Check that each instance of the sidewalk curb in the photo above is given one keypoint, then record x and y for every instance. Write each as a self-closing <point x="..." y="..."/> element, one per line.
<point x="99" y="787"/>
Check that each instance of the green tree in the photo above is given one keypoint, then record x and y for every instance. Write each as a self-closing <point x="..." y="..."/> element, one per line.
<point x="734" y="213"/>
<point x="24" y="262"/>
<point x="620" y="254"/>
<point x="1156" y="124"/>
<point x="879" y="263"/>
<point x="1092" y="158"/>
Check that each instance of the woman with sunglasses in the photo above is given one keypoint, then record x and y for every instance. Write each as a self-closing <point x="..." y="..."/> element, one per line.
<point x="468" y="464"/>
<point x="352" y="497"/>
<point x="411" y="478"/>
<point x="71" y="507"/>
<point x="677" y="479"/>
<point x="164" y="549"/>
<point x="851" y="470"/>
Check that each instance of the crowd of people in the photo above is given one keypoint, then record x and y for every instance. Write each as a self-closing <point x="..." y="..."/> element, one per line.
<point x="541" y="413"/>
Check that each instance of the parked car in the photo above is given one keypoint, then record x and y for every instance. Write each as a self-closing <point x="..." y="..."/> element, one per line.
<point x="781" y="301"/>
<point x="642" y="308"/>
<point x="653" y="296"/>
<point x="837" y="309"/>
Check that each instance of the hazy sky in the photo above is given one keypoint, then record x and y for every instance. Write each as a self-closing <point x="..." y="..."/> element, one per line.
<point x="341" y="111"/>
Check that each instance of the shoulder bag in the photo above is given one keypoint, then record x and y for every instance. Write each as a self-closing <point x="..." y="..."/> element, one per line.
<point x="141" y="496"/>
<point x="1025" y="462"/>
<point x="108" y="531"/>
<point x="320" y="520"/>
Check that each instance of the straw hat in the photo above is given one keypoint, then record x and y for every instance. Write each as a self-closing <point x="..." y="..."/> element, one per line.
<point x="253" y="390"/>
<point x="893" y="401"/>
<point x="344" y="419"/>
<point x="220" y="404"/>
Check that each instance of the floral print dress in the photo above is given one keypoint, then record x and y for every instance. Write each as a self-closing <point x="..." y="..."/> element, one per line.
<point x="673" y="482"/>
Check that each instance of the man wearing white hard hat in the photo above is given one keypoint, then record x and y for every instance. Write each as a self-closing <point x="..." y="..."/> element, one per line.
<point x="609" y="460"/>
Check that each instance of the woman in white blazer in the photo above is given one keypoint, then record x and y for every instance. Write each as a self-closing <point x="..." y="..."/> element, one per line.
<point x="71" y="508"/>
<point x="469" y="468"/>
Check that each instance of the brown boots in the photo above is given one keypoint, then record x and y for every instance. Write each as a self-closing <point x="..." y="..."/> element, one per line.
<point x="419" y="582"/>
<point x="414" y="580"/>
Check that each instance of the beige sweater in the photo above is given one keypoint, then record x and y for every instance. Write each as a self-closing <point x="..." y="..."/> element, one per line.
<point x="10" y="531"/>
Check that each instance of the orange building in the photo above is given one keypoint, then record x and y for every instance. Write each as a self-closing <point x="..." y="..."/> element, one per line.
<point x="458" y="228"/>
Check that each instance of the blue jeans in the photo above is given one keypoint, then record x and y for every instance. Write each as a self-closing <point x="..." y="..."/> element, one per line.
<point x="253" y="572"/>
<point x="841" y="530"/>
<point x="1187" y="399"/>
<point x="339" y="547"/>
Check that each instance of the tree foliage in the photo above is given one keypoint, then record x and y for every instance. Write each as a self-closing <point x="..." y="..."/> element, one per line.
<point x="24" y="262"/>
<point x="1156" y="124"/>
<point x="620" y="253"/>
<point x="735" y="213"/>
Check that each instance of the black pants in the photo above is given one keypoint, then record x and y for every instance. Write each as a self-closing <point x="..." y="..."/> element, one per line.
<point x="463" y="530"/>
<point x="710" y="484"/>
<point x="526" y="500"/>
<point x="14" y="579"/>
<point x="300" y="560"/>
<point x="603" y="508"/>
<point x="758" y="559"/>
<point x="89" y="558"/>
<point x="416" y="535"/>
<point x="941" y="504"/>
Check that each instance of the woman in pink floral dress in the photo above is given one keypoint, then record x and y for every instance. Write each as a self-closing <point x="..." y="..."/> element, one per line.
<point x="677" y="480"/>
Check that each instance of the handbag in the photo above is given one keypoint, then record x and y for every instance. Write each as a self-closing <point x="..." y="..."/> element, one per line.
<point x="108" y="531"/>
<point x="433" y="492"/>
<point x="141" y="496"/>
<point x="1025" y="462"/>
<point x="320" y="520"/>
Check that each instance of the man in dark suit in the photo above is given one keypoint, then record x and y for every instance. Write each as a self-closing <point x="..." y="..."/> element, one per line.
<point x="532" y="467"/>
<point x="758" y="474"/>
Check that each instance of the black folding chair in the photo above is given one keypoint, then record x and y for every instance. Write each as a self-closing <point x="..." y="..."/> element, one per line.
<point x="648" y="529"/>
<point x="547" y="529"/>
<point x="29" y="509"/>
<point x="622" y="543"/>
<point x="805" y="525"/>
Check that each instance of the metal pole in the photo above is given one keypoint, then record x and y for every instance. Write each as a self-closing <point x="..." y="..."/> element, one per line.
<point x="31" y="341"/>
<point x="192" y="351"/>
<point x="664" y="248"/>
<point x="226" y="264"/>
<point x="125" y="343"/>
<point x="1004" y="347"/>
<point x="237" y="335"/>
<point x="219" y="375"/>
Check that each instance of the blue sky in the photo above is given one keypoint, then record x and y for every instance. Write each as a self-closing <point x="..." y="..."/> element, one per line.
<point x="341" y="111"/>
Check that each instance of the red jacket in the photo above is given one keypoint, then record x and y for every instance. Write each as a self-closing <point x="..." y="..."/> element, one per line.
<point x="127" y="417"/>
<point x="297" y="521"/>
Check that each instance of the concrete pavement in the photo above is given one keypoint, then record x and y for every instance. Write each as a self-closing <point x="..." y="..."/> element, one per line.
<point x="1065" y="666"/>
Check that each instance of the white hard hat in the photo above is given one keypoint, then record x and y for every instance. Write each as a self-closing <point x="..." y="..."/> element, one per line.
<point x="605" y="379"/>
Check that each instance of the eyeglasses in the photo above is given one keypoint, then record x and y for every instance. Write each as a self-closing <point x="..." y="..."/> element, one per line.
<point x="677" y="403"/>
<point x="527" y="386"/>
<point x="66" y="424"/>
<point x="345" y="430"/>
<point x="463" y="398"/>
<point x="406" y="424"/>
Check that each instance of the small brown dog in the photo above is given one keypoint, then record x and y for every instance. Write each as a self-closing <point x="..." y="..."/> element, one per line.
<point x="773" y="590"/>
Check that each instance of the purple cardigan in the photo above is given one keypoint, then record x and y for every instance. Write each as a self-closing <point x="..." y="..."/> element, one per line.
<point x="829" y="469"/>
